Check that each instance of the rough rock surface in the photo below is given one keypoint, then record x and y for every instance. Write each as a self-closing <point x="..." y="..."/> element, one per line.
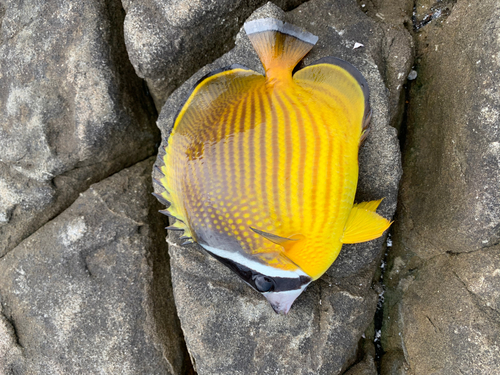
<point x="169" y="40"/>
<point x="396" y="49"/>
<point x="442" y="305"/>
<point x="229" y="328"/>
<point x="89" y="292"/>
<point x="72" y="109"/>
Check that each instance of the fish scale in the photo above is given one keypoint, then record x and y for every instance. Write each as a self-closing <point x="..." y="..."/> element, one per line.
<point x="262" y="170"/>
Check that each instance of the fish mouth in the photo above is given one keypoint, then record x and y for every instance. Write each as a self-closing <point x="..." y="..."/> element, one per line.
<point x="281" y="302"/>
<point x="280" y="287"/>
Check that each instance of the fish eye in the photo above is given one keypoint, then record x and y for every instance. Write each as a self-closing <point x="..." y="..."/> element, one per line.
<point x="264" y="284"/>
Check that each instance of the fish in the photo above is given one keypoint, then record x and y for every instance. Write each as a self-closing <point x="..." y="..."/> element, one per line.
<point x="261" y="170"/>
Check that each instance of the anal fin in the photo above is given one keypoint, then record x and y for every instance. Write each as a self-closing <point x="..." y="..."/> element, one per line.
<point x="364" y="224"/>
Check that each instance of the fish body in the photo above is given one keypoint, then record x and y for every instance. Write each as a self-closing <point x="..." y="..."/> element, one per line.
<point x="261" y="170"/>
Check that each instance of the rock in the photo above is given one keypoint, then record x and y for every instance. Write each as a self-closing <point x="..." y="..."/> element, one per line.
<point x="442" y="304"/>
<point x="73" y="111"/>
<point x="448" y="317"/>
<point x="367" y="365"/>
<point x="390" y="12"/>
<point x="229" y="328"/>
<point x="90" y="291"/>
<point x="363" y="368"/>
<point x="395" y="52"/>
<point x="169" y="40"/>
<point x="10" y="351"/>
<point x="451" y="193"/>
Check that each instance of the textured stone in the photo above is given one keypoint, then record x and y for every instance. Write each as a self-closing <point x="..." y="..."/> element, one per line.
<point x="72" y="109"/>
<point x="396" y="50"/>
<point x="229" y="328"/>
<point x="169" y="40"/>
<point x="448" y="318"/>
<point x="367" y="365"/>
<point x="89" y="292"/>
<point x="451" y="192"/>
<point x="442" y="303"/>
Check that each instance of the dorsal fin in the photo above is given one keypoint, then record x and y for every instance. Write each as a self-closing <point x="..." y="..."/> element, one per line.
<point x="273" y="237"/>
<point x="280" y="45"/>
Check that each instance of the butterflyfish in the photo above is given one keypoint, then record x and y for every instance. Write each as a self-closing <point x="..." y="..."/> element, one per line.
<point x="261" y="170"/>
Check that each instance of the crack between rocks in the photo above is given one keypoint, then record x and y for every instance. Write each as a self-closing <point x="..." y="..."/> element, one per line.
<point x="478" y="302"/>
<point x="138" y="223"/>
<point x="65" y="207"/>
<point x="456" y="253"/>
<point x="320" y="338"/>
<point x="85" y="264"/>
<point x="403" y="345"/>
<point x="436" y="329"/>
<point x="78" y="192"/>
<point x="450" y="253"/>
<point x="14" y="329"/>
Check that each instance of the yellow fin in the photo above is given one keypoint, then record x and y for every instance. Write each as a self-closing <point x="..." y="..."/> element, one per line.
<point x="344" y="82"/>
<point x="364" y="224"/>
<point x="280" y="45"/>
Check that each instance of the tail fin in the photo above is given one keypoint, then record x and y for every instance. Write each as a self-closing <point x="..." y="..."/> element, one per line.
<point x="280" y="46"/>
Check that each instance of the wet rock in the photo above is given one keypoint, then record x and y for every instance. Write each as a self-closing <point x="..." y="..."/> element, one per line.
<point x="169" y="40"/>
<point x="73" y="111"/>
<point x="442" y="312"/>
<point x="89" y="292"/>
<point x="229" y="328"/>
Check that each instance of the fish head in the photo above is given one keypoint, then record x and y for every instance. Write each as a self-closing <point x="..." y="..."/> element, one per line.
<point x="280" y="286"/>
<point x="280" y="291"/>
<point x="281" y="300"/>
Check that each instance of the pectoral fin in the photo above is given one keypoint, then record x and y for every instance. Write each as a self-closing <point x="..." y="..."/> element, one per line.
<point x="364" y="224"/>
<point x="283" y="241"/>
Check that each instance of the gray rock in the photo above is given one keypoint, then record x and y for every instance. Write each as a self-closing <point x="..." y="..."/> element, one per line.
<point x="90" y="291"/>
<point x="451" y="192"/>
<point x="229" y="328"/>
<point x="169" y="40"/>
<point x="395" y="54"/>
<point x="72" y="109"/>
<point x="442" y="304"/>
<point x="448" y="320"/>
<point x="363" y="368"/>
<point x="367" y="365"/>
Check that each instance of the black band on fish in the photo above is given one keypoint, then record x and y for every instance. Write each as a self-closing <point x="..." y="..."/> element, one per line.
<point x="259" y="281"/>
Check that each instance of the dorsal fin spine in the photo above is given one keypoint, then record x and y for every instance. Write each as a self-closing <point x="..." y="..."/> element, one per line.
<point x="280" y="45"/>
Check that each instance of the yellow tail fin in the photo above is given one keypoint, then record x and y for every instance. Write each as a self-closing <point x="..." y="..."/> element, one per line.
<point x="280" y="46"/>
<point x="364" y="224"/>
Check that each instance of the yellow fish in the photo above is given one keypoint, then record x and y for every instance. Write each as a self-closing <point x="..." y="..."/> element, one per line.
<point x="261" y="171"/>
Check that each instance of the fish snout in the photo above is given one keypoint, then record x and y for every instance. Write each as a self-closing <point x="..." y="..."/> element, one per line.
<point x="281" y="302"/>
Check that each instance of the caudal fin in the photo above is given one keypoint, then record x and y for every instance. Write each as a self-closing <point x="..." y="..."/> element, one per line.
<point x="280" y="45"/>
